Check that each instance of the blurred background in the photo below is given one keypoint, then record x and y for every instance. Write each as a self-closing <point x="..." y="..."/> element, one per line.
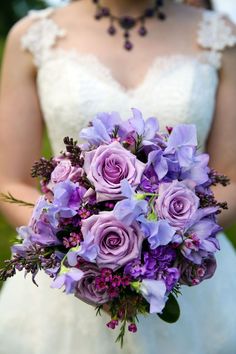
<point x="10" y="12"/>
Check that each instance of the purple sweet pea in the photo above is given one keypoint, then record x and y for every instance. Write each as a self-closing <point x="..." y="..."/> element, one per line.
<point x="117" y="243"/>
<point x="201" y="240"/>
<point x="159" y="163"/>
<point x="87" y="290"/>
<point x="68" y="197"/>
<point x="145" y="128"/>
<point x="154" y="291"/>
<point x="198" y="170"/>
<point x="128" y="210"/>
<point x="177" y="203"/>
<point x="158" y="233"/>
<point x="87" y="250"/>
<point x="171" y="277"/>
<point x="68" y="278"/>
<point x="183" y="142"/>
<point x="108" y="165"/>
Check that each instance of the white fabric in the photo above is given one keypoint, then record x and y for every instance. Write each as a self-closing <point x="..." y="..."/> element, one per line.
<point x="227" y="7"/>
<point x="72" y="87"/>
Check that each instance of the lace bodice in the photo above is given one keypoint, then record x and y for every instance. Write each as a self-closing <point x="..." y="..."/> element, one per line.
<point x="73" y="87"/>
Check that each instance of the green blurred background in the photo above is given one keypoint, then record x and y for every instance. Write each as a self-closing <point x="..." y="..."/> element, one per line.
<point x="10" y="12"/>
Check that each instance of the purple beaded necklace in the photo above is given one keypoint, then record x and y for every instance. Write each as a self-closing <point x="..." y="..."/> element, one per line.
<point x="127" y="23"/>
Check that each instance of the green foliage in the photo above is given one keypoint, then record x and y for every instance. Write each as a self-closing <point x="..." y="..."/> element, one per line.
<point x="171" y="312"/>
<point x="13" y="10"/>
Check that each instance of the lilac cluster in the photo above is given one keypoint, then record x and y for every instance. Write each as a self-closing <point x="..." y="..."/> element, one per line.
<point x="125" y="218"/>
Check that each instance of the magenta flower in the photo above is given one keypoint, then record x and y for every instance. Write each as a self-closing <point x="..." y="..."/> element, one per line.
<point x="177" y="203"/>
<point x="117" y="243"/>
<point x="108" y="165"/>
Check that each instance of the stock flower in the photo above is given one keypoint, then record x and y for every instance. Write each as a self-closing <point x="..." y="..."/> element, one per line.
<point x="108" y="165"/>
<point x="117" y="243"/>
<point x="177" y="203"/>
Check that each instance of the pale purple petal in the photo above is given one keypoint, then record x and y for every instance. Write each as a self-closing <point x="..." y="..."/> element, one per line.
<point x="154" y="292"/>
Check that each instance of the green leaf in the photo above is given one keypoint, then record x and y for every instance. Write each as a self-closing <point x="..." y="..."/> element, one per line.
<point x="171" y="311"/>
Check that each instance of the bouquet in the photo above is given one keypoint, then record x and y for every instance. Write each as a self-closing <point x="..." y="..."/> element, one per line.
<point x="125" y="219"/>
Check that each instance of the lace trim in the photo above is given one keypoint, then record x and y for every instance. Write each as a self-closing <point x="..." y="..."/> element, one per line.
<point x="215" y="33"/>
<point x="41" y="35"/>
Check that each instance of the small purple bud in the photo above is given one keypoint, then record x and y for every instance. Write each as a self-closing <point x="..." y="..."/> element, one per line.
<point x="132" y="328"/>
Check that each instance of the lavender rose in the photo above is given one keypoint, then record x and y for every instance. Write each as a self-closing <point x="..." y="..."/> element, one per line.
<point x="177" y="203"/>
<point x="193" y="274"/>
<point x="117" y="243"/>
<point x="64" y="170"/>
<point x="108" y="165"/>
<point x="86" y="289"/>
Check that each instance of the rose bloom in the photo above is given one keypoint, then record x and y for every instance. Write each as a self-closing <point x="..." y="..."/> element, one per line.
<point x="117" y="243"/>
<point x="86" y="289"/>
<point x="64" y="170"/>
<point x="176" y="203"/>
<point x="108" y="165"/>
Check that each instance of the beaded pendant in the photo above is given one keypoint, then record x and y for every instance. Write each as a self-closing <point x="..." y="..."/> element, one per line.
<point x="128" y="23"/>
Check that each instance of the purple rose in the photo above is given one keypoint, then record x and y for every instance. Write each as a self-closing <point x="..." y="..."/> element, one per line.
<point x="108" y="165"/>
<point x="86" y="289"/>
<point x="193" y="274"/>
<point x="64" y="170"/>
<point x="117" y="243"/>
<point x="177" y="203"/>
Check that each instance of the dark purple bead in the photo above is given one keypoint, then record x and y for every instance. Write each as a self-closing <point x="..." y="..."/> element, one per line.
<point x="161" y="16"/>
<point x="127" y="22"/>
<point x="126" y="34"/>
<point x="112" y="30"/>
<point x="142" y="31"/>
<point x="97" y="16"/>
<point x="149" y="12"/>
<point x="159" y="3"/>
<point x="128" y="45"/>
<point x="105" y="11"/>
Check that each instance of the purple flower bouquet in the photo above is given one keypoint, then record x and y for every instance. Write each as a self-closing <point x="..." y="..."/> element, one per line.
<point x="125" y="219"/>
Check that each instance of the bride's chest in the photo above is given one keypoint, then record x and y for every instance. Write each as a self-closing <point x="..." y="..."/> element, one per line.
<point x="73" y="88"/>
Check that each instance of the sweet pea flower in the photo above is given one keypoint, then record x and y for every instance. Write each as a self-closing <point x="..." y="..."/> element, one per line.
<point x="183" y="142"/>
<point x="128" y="210"/>
<point x="87" y="250"/>
<point x="154" y="291"/>
<point x="68" y="278"/>
<point x="158" y="233"/>
<point x="145" y="128"/>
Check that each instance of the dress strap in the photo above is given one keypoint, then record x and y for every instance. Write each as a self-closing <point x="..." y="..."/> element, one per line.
<point x="41" y="35"/>
<point x="214" y="35"/>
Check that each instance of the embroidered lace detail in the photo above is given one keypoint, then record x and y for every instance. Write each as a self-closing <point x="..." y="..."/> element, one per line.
<point x="215" y="34"/>
<point x="41" y="35"/>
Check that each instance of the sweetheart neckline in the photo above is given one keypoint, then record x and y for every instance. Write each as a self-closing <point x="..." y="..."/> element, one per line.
<point x="158" y="62"/>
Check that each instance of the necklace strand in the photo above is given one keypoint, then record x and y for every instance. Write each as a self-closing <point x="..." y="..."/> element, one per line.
<point x="128" y="23"/>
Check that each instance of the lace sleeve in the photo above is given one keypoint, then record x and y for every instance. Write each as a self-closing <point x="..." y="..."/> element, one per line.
<point x="214" y="35"/>
<point x="41" y="36"/>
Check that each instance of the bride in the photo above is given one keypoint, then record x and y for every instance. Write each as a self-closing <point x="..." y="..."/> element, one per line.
<point x="60" y="69"/>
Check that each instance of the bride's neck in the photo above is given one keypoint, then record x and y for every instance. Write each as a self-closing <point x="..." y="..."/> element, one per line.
<point x="132" y="7"/>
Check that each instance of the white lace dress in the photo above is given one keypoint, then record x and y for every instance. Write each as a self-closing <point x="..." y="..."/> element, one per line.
<point x="72" y="87"/>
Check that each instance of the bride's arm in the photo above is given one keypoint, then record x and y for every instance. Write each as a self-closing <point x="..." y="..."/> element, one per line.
<point x="21" y="127"/>
<point x="222" y="139"/>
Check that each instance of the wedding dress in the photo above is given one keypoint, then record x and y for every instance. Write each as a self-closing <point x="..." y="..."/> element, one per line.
<point x="72" y="88"/>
